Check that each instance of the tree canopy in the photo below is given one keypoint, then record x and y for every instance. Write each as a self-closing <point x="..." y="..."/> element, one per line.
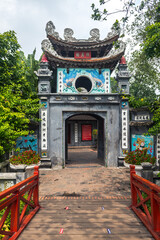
<point x="18" y="102"/>
<point x="145" y="80"/>
<point x="141" y="23"/>
<point x="145" y="26"/>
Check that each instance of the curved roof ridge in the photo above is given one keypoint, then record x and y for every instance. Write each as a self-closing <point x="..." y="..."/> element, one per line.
<point x="70" y="40"/>
<point x="48" y="48"/>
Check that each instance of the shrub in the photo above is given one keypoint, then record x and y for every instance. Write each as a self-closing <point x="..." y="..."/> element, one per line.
<point x="26" y="157"/>
<point x="139" y="156"/>
<point x="7" y="224"/>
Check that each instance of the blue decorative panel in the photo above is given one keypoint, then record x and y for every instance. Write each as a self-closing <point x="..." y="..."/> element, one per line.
<point x="28" y="142"/>
<point x="66" y="80"/>
<point x="124" y="104"/>
<point x="44" y="103"/>
<point x="143" y="142"/>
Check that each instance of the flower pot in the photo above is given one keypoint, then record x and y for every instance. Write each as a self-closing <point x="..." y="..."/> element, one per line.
<point x="138" y="168"/>
<point x="17" y="168"/>
<point x="28" y="169"/>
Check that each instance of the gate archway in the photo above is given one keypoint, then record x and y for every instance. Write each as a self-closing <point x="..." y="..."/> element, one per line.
<point x="85" y="139"/>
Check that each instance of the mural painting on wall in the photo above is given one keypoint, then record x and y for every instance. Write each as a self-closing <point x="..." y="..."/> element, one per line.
<point x="66" y="81"/>
<point x="28" y="142"/>
<point x="143" y="142"/>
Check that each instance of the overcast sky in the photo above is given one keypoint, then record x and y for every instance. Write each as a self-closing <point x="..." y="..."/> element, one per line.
<point x="28" y="19"/>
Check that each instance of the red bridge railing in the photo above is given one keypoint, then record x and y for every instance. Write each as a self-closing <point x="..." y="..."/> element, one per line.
<point x="19" y="204"/>
<point x="146" y="202"/>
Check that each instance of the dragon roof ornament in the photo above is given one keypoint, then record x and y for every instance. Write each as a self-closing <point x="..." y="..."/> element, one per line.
<point x="50" y="30"/>
<point x="68" y="34"/>
<point x="118" y="50"/>
<point x="47" y="47"/>
<point x="94" y="35"/>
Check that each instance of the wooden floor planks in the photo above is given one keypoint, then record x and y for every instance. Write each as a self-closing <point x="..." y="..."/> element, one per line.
<point x="85" y="220"/>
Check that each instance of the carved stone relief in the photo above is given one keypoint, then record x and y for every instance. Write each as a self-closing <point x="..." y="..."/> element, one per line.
<point x="94" y="35"/>
<point x="50" y="30"/>
<point x="47" y="46"/>
<point x="115" y="51"/>
<point x="68" y="35"/>
<point x="43" y="88"/>
<point x="112" y="34"/>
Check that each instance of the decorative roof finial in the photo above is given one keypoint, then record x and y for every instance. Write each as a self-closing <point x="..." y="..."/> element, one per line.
<point x="123" y="60"/>
<point x="44" y="58"/>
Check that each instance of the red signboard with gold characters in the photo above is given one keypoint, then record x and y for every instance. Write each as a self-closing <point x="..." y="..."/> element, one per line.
<point x="86" y="132"/>
<point x="82" y="55"/>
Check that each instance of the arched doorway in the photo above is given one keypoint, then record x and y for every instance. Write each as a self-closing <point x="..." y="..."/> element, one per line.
<point x="84" y="140"/>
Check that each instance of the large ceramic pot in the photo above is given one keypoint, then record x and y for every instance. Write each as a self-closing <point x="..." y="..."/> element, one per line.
<point x="138" y="168"/>
<point x="28" y="169"/>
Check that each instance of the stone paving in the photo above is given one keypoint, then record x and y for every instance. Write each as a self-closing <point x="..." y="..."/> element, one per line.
<point x="88" y="179"/>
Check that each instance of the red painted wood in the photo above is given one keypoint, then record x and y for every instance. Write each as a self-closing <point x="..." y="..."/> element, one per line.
<point x="12" y="189"/>
<point x="4" y="216"/>
<point x="138" y="184"/>
<point x="133" y="189"/>
<point x="25" y="223"/>
<point x="155" y="212"/>
<point x="11" y="201"/>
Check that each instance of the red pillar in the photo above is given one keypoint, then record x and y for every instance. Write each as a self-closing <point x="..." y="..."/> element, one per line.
<point x="155" y="211"/>
<point x="15" y="213"/>
<point x="133" y="189"/>
<point x="36" y="190"/>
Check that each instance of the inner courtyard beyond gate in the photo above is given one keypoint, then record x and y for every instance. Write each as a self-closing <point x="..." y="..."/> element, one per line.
<point x="85" y="131"/>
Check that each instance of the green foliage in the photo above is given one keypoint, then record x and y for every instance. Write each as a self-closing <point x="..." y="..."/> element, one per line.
<point x="145" y="78"/>
<point x="12" y="66"/>
<point x="145" y="28"/>
<point x="79" y="89"/>
<point x="26" y="157"/>
<point x="7" y="224"/>
<point x="32" y="65"/>
<point x="15" y="115"/>
<point x="104" y="13"/>
<point x="151" y="44"/>
<point x="18" y="103"/>
<point x="147" y="203"/>
<point x="116" y="26"/>
<point x="114" y="85"/>
<point x="139" y="156"/>
<point x="155" y="108"/>
<point x="138" y="103"/>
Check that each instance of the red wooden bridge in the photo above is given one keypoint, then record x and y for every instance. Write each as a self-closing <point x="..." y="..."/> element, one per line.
<point x="80" y="218"/>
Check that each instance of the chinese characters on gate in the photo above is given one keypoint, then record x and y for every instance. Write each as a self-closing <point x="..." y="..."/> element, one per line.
<point x="107" y="90"/>
<point x="44" y="129"/>
<point x="82" y="55"/>
<point x="60" y="80"/>
<point x="124" y="129"/>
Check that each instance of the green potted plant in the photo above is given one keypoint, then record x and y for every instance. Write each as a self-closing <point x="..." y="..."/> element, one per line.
<point x="137" y="157"/>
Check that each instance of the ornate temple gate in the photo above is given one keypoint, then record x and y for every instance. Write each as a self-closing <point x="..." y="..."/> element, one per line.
<point x="74" y="80"/>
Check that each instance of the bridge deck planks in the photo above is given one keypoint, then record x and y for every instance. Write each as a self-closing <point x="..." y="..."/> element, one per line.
<point x="85" y="220"/>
